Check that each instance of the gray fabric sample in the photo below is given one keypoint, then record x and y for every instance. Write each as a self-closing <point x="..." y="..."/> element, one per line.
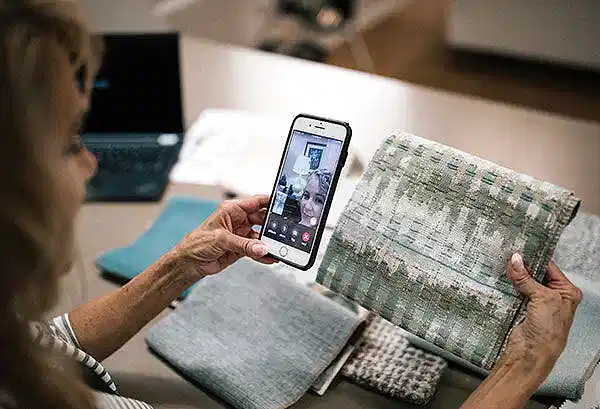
<point x="578" y="361"/>
<point x="253" y="338"/>
<point x="426" y="239"/>
<point x="591" y="396"/>
<point x="578" y="254"/>
<point x="578" y="250"/>
<point x="385" y="361"/>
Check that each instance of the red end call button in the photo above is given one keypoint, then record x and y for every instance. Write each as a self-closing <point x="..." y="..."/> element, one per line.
<point x="305" y="236"/>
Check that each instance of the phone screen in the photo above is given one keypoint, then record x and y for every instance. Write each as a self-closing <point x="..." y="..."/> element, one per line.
<point x="303" y="186"/>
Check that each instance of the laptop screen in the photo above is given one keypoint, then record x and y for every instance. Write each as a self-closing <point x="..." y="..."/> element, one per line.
<point x="138" y="87"/>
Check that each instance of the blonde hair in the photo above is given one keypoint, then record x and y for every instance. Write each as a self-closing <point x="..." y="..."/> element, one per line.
<point x="35" y="223"/>
<point x="324" y="178"/>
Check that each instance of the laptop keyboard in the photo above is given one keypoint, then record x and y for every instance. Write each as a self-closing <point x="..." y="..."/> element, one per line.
<point x="146" y="160"/>
<point x="131" y="167"/>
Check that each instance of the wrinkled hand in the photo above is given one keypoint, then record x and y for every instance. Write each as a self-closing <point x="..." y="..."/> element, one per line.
<point x="225" y="237"/>
<point x="542" y="336"/>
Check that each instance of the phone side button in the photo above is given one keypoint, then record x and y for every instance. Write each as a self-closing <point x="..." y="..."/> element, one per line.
<point x="283" y="251"/>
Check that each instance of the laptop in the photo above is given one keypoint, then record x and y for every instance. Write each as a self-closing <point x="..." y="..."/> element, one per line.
<point x="135" y="123"/>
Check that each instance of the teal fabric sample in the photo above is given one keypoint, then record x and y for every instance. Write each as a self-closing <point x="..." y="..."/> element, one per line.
<point x="181" y="215"/>
<point x="426" y="238"/>
<point x="252" y="337"/>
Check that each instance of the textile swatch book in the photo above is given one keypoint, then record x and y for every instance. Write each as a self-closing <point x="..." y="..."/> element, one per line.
<point x="426" y="238"/>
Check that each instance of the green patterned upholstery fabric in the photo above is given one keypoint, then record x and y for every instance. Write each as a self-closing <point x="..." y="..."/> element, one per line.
<point x="426" y="238"/>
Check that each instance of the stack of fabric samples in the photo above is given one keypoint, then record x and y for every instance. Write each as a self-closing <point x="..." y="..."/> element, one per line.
<point x="288" y="339"/>
<point x="277" y="320"/>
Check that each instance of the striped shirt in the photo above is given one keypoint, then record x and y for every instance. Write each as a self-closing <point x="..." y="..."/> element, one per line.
<point x="58" y="335"/>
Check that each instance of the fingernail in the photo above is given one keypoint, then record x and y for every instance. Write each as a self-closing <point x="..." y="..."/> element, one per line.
<point x="260" y="249"/>
<point x="516" y="262"/>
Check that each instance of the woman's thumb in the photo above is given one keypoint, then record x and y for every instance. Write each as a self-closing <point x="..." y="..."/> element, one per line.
<point x="248" y="247"/>
<point x="520" y="277"/>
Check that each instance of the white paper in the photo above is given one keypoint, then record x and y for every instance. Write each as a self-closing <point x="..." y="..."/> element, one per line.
<point x="237" y="150"/>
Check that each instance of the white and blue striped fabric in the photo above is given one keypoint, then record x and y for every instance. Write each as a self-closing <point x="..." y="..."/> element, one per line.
<point x="58" y="335"/>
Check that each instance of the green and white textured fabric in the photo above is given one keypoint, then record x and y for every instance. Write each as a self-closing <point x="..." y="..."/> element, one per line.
<point x="426" y="238"/>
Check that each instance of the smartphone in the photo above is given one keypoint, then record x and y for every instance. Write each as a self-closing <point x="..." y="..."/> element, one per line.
<point x="314" y="156"/>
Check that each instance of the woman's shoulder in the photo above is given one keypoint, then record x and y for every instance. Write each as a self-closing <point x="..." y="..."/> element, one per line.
<point x="58" y="334"/>
<point x="103" y="401"/>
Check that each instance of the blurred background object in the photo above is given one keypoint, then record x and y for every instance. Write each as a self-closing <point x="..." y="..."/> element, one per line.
<point x="309" y="29"/>
<point x="564" y="32"/>
<point x="322" y="15"/>
<point x="536" y="54"/>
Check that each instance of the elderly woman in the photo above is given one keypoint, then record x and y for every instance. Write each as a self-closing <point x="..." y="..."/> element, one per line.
<point x="47" y="64"/>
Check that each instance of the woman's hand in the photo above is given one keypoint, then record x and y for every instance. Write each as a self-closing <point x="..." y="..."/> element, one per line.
<point x="225" y="237"/>
<point x="105" y="324"/>
<point x="542" y="336"/>
<point x="535" y="344"/>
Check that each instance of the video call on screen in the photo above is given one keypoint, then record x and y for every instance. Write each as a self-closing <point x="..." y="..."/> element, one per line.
<point x="302" y="189"/>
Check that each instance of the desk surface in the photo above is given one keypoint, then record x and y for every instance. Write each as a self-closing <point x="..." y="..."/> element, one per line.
<point x="560" y="150"/>
<point x="557" y="149"/>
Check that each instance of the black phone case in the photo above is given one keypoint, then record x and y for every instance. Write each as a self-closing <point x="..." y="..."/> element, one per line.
<point x="336" y="176"/>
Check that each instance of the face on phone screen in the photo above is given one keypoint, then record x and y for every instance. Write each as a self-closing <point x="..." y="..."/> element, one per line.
<point x="303" y="186"/>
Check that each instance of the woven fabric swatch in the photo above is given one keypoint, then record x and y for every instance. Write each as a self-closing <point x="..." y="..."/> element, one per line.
<point x="386" y="362"/>
<point x="426" y="238"/>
